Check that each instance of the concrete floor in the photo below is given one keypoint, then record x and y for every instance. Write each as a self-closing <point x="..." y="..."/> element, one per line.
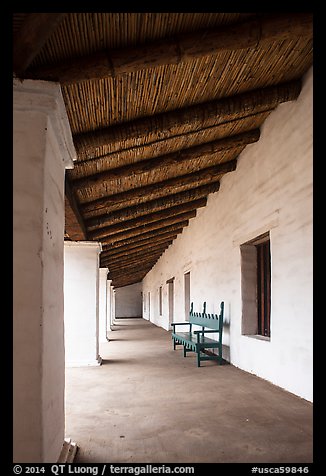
<point x="148" y="404"/>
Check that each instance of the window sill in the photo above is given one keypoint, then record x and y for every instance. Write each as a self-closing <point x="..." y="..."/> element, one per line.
<point x="259" y="337"/>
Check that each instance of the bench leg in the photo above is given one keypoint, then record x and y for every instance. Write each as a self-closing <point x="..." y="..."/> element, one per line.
<point x="184" y="351"/>
<point x="175" y="343"/>
<point x="220" y="360"/>
<point x="198" y="358"/>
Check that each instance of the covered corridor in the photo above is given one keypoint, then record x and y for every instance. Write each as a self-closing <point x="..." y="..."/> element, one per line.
<point x="162" y="160"/>
<point x="148" y="404"/>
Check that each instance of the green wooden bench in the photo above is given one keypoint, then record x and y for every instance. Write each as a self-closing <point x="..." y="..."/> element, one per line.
<point x="197" y="341"/>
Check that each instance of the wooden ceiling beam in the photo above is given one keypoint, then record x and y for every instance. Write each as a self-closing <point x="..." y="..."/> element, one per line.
<point x="132" y="273"/>
<point x="134" y="261"/>
<point x="168" y="160"/>
<point x="133" y="267"/>
<point x="127" y="210"/>
<point x="194" y="117"/>
<point x="31" y="37"/>
<point x="111" y="63"/>
<point x="118" y="156"/>
<point x="121" y="281"/>
<point x="139" y="246"/>
<point x="113" y="230"/>
<point x="135" y="271"/>
<point x="128" y="280"/>
<point x="149" y="218"/>
<point x="128" y="254"/>
<point x="160" y="226"/>
<point x="74" y="224"/>
<point x="135" y="254"/>
<point x="123" y="250"/>
<point x="165" y="187"/>
<point x="144" y="237"/>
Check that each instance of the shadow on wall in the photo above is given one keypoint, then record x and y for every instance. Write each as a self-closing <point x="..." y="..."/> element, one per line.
<point x="226" y="332"/>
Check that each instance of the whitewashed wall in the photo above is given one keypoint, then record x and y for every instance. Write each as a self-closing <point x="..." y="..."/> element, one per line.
<point x="271" y="190"/>
<point x="128" y="301"/>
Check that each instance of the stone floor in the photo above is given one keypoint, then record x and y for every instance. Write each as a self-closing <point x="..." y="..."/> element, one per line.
<point x="148" y="404"/>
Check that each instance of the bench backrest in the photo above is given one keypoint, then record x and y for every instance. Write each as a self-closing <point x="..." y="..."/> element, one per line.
<point x="211" y="321"/>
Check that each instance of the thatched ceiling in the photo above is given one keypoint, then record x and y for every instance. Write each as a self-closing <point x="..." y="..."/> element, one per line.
<point x="160" y="106"/>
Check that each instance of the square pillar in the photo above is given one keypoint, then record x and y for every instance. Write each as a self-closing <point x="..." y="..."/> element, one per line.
<point x="109" y="305"/>
<point x="103" y="304"/>
<point x="112" y="306"/>
<point x="42" y="149"/>
<point x="81" y="303"/>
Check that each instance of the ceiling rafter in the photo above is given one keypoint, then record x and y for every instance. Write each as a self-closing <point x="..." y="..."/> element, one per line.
<point x="124" y="267"/>
<point x="247" y="34"/>
<point x="127" y="209"/>
<point x="152" y="227"/>
<point x="172" y="159"/>
<point x="143" y="238"/>
<point x="127" y="254"/>
<point x="123" y="250"/>
<point x="162" y="188"/>
<point x="30" y="38"/>
<point x="138" y="269"/>
<point x="133" y="258"/>
<point x="149" y="148"/>
<point x="74" y="223"/>
<point x="195" y="117"/>
<point x="149" y="218"/>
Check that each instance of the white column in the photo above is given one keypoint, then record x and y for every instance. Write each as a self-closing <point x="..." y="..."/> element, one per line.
<point x="42" y="149"/>
<point x="113" y="306"/>
<point x="103" y="304"/>
<point x="108" y="305"/>
<point x="81" y="303"/>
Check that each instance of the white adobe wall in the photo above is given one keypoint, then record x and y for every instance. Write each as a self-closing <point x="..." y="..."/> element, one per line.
<point x="271" y="189"/>
<point x="128" y="301"/>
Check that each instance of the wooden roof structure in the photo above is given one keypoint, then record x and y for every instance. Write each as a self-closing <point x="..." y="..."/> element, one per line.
<point x="160" y="106"/>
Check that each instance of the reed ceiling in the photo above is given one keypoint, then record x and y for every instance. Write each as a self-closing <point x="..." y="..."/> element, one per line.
<point x="160" y="106"/>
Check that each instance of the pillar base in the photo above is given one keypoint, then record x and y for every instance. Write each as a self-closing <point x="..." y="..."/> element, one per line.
<point x="68" y="452"/>
<point x="85" y="363"/>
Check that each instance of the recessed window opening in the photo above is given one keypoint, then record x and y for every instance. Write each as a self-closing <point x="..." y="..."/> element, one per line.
<point x="160" y="299"/>
<point x="187" y="294"/>
<point x="170" y="283"/>
<point x="256" y="287"/>
<point x="263" y="288"/>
